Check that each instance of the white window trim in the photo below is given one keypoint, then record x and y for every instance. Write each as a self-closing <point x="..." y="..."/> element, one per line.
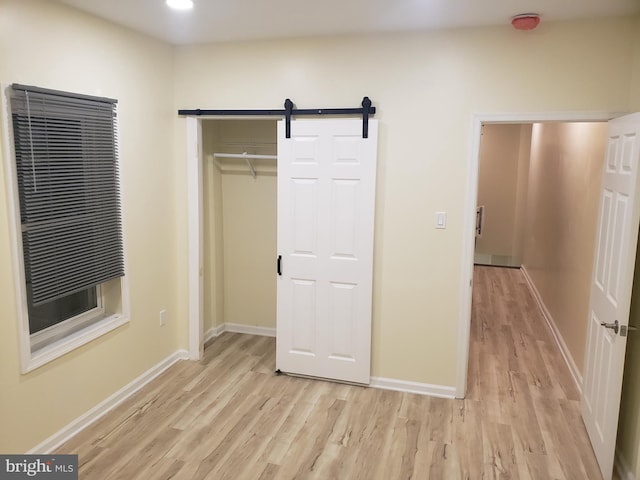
<point x="32" y="359"/>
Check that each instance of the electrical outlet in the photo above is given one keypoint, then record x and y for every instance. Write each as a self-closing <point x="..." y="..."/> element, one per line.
<point x="163" y="318"/>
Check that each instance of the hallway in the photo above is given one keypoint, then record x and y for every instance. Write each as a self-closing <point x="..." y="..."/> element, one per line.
<point x="517" y="371"/>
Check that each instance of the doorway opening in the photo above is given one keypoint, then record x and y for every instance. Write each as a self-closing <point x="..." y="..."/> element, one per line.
<point x="539" y="188"/>
<point x="559" y="215"/>
<point x="469" y="252"/>
<point x="505" y="151"/>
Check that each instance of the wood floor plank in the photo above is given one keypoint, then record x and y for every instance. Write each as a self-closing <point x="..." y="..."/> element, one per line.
<point x="313" y="456"/>
<point x="230" y="417"/>
<point x="374" y="436"/>
<point x="443" y="463"/>
<point x="270" y="472"/>
<point x="500" y="461"/>
<point x="411" y="433"/>
<point x="350" y="432"/>
<point x="282" y="440"/>
<point x="163" y="469"/>
<point x="255" y="440"/>
<point x="467" y="427"/>
<point x="579" y="435"/>
<point x="564" y="385"/>
<point x="230" y="439"/>
<point x="150" y="456"/>
<point x="204" y="438"/>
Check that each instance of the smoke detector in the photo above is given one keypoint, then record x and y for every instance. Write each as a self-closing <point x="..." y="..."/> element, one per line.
<point x="525" y="21"/>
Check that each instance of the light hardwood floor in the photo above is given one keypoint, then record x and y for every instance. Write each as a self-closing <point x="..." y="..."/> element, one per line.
<point x="229" y="416"/>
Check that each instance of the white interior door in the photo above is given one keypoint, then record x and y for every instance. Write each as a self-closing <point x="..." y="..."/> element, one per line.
<point x="326" y="202"/>
<point x="613" y="270"/>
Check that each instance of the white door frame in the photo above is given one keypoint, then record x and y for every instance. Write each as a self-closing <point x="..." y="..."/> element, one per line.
<point x="195" y="283"/>
<point x="468" y="247"/>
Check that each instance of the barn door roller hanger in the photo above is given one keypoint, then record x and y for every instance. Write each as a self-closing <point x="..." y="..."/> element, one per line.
<point x="290" y="111"/>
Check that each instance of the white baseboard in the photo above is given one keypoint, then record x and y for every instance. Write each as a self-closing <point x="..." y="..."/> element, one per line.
<point x="250" y="329"/>
<point x="622" y="468"/>
<point x="376" y="382"/>
<point x="82" y="422"/>
<point x="496" y="260"/>
<point x="413" y="387"/>
<point x="564" y="350"/>
<point x="239" y="328"/>
<point x="213" y="333"/>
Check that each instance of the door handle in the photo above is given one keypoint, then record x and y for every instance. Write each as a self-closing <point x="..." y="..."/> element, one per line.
<point x="279" y="266"/>
<point x="615" y="326"/>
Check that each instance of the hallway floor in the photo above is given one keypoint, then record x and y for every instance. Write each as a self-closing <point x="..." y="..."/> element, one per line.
<point x="517" y="372"/>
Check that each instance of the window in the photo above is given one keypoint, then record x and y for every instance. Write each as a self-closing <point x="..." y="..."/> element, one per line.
<point x="68" y="215"/>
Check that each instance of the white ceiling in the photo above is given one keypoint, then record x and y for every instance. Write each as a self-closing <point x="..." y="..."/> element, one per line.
<point x="224" y="20"/>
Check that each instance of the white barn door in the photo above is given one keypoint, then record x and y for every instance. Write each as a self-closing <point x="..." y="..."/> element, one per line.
<point x="326" y="202"/>
<point x="613" y="271"/>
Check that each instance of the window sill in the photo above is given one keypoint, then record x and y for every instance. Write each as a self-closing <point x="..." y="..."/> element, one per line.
<point x="57" y="349"/>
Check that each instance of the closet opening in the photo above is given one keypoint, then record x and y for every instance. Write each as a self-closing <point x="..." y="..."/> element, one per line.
<point x="239" y="225"/>
<point x="206" y="324"/>
<point x="246" y="213"/>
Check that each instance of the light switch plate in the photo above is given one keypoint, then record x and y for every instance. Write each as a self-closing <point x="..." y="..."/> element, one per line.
<point x="441" y="219"/>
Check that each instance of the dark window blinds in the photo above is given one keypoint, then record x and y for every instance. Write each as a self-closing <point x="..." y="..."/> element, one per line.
<point x="66" y="157"/>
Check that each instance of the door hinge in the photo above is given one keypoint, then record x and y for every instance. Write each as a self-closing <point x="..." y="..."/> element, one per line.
<point x="279" y="265"/>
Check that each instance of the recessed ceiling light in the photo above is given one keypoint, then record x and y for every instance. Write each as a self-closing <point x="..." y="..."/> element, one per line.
<point x="180" y="4"/>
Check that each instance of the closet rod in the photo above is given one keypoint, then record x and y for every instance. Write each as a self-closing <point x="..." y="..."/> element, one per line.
<point x="245" y="155"/>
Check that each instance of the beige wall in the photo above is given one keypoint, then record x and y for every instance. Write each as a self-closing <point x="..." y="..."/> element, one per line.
<point x="246" y="216"/>
<point x="628" y="444"/>
<point x="426" y="87"/>
<point x="55" y="47"/>
<point x="502" y="190"/>
<point x="635" y="75"/>
<point x="562" y="209"/>
<point x="522" y="191"/>
<point x="250" y="249"/>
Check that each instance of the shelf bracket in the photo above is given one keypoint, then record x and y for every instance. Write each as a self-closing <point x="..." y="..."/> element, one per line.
<point x="250" y="165"/>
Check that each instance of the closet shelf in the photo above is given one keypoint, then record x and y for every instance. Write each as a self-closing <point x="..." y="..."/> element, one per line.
<point x="249" y="156"/>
